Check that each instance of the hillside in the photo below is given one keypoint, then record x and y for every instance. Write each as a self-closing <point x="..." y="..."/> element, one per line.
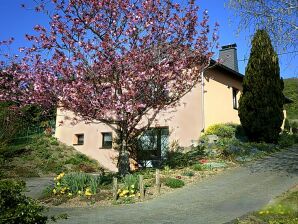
<point x="291" y="91"/>
<point x="42" y="155"/>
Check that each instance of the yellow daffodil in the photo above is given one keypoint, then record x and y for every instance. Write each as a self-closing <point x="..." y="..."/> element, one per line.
<point x="69" y="194"/>
<point x="132" y="186"/>
<point x="54" y="191"/>
<point x="88" y="192"/>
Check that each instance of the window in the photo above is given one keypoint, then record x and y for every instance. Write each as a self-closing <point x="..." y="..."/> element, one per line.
<point x="153" y="143"/>
<point x="107" y="140"/>
<point x="79" y="139"/>
<point x="235" y="100"/>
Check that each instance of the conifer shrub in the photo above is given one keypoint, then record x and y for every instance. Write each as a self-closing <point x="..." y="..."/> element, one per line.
<point x="261" y="103"/>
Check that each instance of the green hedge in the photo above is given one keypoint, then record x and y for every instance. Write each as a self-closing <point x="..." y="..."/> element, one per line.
<point x="16" y="208"/>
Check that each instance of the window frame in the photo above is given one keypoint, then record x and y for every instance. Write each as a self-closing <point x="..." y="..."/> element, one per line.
<point x="103" y="142"/>
<point x="77" y="139"/>
<point x="234" y="98"/>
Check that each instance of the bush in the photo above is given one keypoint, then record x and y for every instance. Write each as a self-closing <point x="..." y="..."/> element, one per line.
<point x="294" y="126"/>
<point x="16" y="208"/>
<point x="173" y="182"/>
<point x="198" y="167"/>
<point x="178" y="159"/>
<point x="287" y="125"/>
<point x="286" y="140"/>
<point x="227" y="130"/>
<point x="188" y="173"/>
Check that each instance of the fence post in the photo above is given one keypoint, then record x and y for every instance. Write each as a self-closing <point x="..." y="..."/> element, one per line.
<point x="157" y="181"/>
<point x="115" y="188"/>
<point x="141" y="185"/>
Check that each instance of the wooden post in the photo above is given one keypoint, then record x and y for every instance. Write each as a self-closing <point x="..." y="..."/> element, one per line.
<point x="115" y="188"/>
<point x="157" y="181"/>
<point x="141" y="185"/>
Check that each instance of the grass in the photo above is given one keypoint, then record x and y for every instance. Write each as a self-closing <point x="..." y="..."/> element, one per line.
<point x="42" y="155"/>
<point x="283" y="210"/>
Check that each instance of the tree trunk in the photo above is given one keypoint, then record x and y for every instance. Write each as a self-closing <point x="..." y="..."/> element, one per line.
<point x="123" y="158"/>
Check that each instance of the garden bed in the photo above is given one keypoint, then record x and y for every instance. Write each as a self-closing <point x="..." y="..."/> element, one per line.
<point x="60" y="195"/>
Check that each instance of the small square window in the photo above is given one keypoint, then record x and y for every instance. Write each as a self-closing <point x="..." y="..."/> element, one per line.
<point x="79" y="139"/>
<point x="107" y="140"/>
<point x="235" y="100"/>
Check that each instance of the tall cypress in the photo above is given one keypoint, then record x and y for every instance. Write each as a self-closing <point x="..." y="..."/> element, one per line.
<point x="261" y="103"/>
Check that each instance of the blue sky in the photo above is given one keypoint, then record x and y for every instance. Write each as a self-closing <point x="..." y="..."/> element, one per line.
<point x="16" y="22"/>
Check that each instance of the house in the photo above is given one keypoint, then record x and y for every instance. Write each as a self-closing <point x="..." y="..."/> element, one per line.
<point x="213" y="100"/>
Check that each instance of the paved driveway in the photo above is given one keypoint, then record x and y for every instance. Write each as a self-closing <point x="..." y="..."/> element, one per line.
<point x="218" y="199"/>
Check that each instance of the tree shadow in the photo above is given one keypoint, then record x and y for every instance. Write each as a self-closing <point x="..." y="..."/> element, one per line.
<point x="285" y="161"/>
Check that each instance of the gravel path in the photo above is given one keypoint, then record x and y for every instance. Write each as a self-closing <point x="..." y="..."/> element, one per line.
<point x="218" y="199"/>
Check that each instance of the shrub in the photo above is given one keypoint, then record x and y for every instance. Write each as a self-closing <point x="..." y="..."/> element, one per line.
<point x="173" y="182"/>
<point x="197" y="167"/>
<point x="294" y="126"/>
<point x="287" y="125"/>
<point x="178" y="159"/>
<point x="201" y="167"/>
<point x="286" y="140"/>
<point x="188" y="173"/>
<point x="227" y="130"/>
<point x="17" y="208"/>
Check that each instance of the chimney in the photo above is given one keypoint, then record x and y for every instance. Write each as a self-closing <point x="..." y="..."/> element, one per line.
<point x="228" y="56"/>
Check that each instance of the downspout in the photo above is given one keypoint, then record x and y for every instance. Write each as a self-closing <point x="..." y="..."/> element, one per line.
<point x="203" y="96"/>
<point x="202" y="101"/>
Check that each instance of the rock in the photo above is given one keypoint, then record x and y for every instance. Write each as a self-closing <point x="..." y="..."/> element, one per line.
<point x="211" y="139"/>
<point x="210" y="152"/>
<point x="233" y="149"/>
<point x="254" y="151"/>
<point x="243" y="159"/>
<point x="214" y="165"/>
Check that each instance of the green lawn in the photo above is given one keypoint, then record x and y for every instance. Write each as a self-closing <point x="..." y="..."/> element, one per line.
<point x="284" y="210"/>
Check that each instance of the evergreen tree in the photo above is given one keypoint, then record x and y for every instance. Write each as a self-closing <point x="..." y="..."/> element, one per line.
<point x="261" y="104"/>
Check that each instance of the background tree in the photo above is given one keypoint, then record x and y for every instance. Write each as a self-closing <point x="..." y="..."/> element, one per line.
<point x="278" y="17"/>
<point x="261" y="103"/>
<point x="115" y="62"/>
